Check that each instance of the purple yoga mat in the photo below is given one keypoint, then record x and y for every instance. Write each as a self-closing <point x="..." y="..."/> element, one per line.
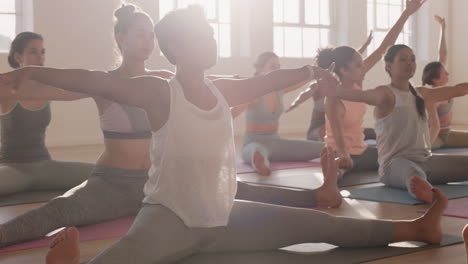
<point x="454" y="209"/>
<point x="276" y="166"/>
<point x="112" y="229"/>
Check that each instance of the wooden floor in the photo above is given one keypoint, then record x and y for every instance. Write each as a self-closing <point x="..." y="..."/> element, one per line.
<point x="353" y="208"/>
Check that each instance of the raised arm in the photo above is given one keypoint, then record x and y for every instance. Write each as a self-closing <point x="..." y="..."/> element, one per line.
<point x="366" y="44"/>
<point x="33" y="90"/>
<point x="443" y="54"/>
<point x="434" y="95"/>
<point x="243" y="91"/>
<point x="303" y="96"/>
<point x="139" y="91"/>
<point x="411" y="7"/>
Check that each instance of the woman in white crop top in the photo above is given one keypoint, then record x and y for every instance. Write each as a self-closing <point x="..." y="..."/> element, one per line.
<point x="169" y="228"/>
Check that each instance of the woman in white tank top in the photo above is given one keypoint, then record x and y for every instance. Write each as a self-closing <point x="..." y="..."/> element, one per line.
<point x="189" y="205"/>
<point x="406" y="127"/>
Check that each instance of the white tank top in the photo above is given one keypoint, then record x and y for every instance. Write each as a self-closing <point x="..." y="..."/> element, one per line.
<point x="402" y="133"/>
<point x="193" y="169"/>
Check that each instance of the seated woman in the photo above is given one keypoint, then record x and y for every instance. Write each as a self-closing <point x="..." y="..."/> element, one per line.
<point x="436" y="75"/>
<point x="406" y="126"/>
<point x="189" y="195"/>
<point x="344" y="119"/>
<point x="316" y="129"/>
<point x="262" y="144"/>
<point x="25" y="162"/>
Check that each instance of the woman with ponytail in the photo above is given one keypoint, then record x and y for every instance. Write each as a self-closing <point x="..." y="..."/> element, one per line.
<point x="405" y="127"/>
<point x="25" y="162"/>
<point x="344" y="120"/>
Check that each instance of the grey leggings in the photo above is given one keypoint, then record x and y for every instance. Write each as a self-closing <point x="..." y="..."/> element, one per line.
<point x="159" y="236"/>
<point x="111" y="193"/>
<point x="42" y="175"/>
<point x="274" y="148"/>
<point x="438" y="169"/>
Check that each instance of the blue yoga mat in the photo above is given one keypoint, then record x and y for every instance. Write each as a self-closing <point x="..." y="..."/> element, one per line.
<point x="399" y="196"/>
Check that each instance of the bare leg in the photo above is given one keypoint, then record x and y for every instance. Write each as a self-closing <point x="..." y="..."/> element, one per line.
<point x="65" y="248"/>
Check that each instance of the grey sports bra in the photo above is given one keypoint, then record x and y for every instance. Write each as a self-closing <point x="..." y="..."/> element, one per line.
<point x="259" y="114"/>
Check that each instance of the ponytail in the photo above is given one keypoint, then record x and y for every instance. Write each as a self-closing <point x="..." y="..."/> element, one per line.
<point x="420" y="105"/>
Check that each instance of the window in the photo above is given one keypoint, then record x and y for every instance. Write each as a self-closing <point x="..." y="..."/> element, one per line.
<point x="218" y="13"/>
<point x="300" y="27"/>
<point x="381" y="16"/>
<point x="10" y="22"/>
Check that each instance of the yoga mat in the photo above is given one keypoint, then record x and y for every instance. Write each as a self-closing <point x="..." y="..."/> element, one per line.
<point x="451" y="150"/>
<point x="29" y="197"/>
<point x="399" y="196"/>
<point x="317" y="253"/>
<point x="112" y="229"/>
<point x="454" y="209"/>
<point x="310" y="179"/>
<point x="243" y="167"/>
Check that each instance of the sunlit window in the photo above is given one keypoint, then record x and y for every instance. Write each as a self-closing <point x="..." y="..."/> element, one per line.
<point x="381" y="16"/>
<point x="301" y="27"/>
<point x="8" y="22"/>
<point x="218" y="13"/>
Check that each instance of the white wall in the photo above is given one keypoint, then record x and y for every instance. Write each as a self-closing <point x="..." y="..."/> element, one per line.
<point x="78" y="34"/>
<point x="459" y="55"/>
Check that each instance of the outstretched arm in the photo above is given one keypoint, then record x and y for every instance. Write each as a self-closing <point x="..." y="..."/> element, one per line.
<point x="243" y="91"/>
<point x="434" y="95"/>
<point x="443" y="54"/>
<point x="139" y="91"/>
<point x="411" y="7"/>
<point x="366" y="44"/>
<point x="33" y="90"/>
<point x="303" y="96"/>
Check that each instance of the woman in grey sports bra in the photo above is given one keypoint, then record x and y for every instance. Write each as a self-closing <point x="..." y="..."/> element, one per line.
<point x="115" y="187"/>
<point x="406" y="125"/>
<point x="262" y="143"/>
<point x="25" y="162"/>
<point x="435" y="74"/>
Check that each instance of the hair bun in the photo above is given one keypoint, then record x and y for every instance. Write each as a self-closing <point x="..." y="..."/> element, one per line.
<point x="325" y="57"/>
<point x="125" y="11"/>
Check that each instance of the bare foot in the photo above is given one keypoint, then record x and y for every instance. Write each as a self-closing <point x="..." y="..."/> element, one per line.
<point x="328" y="195"/>
<point x="65" y="248"/>
<point x="428" y="227"/>
<point x="421" y="189"/>
<point x="260" y="164"/>
<point x="465" y="238"/>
